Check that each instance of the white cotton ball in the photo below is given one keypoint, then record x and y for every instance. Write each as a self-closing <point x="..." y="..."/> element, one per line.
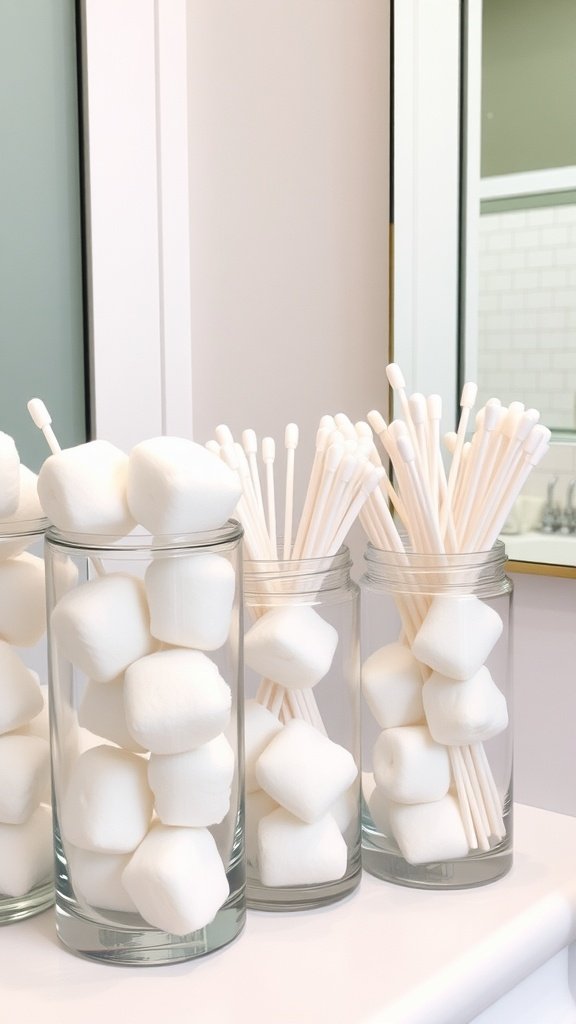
<point x="9" y="476"/>
<point x="463" y="712"/>
<point x="260" y="728"/>
<point x="392" y="686"/>
<point x="291" y="645"/>
<point x="176" y="486"/>
<point x="26" y="857"/>
<point x="176" y="879"/>
<point x="83" y="489"/>
<point x="39" y="725"/>
<point x="304" y="771"/>
<point x="28" y="510"/>
<point x="346" y="809"/>
<point x="457" y="635"/>
<point x="429" y="832"/>
<point x="409" y="766"/>
<point x="107" y="805"/>
<point x="22" y="600"/>
<point x="193" y="788"/>
<point x="97" y="879"/>
<point x="175" y="700"/>
<point x="20" y="694"/>
<point x="102" y="626"/>
<point x="191" y="599"/>
<point x="24" y="770"/>
<point x="293" y="852"/>
<point x="258" y="805"/>
<point x="102" y="712"/>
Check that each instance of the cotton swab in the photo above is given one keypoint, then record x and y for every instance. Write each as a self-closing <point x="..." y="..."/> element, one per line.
<point x="268" y="456"/>
<point x="322" y="436"/>
<point x="290" y="443"/>
<point x="467" y="400"/>
<point x="43" y="420"/>
<point x="250" y="443"/>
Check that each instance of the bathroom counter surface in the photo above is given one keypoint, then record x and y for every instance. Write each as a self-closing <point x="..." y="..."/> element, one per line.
<point x="386" y="955"/>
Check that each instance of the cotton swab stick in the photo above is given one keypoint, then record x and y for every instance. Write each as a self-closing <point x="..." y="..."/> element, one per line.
<point x="434" y="413"/>
<point x="290" y="443"/>
<point x="426" y="520"/>
<point x="369" y="484"/>
<point x="223" y="434"/>
<point x="43" y="420"/>
<point x="467" y="400"/>
<point x="419" y="413"/>
<point x="477" y="475"/>
<point x="250" y="442"/>
<point x="334" y="455"/>
<point x="398" y="385"/>
<point x="268" y="456"/>
<point x="378" y="424"/>
<point x="322" y="436"/>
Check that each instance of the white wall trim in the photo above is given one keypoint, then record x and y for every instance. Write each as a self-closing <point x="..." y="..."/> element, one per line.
<point x="471" y="234"/>
<point x="505" y="186"/>
<point x="426" y="196"/>
<point x="137" y="199"/>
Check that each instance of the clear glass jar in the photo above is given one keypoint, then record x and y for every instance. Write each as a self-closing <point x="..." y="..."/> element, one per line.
<point x="302" y="739"/>
<point x="146" y="709"/>
<point x="26" y="862"/>
<point x="437" y="734"/>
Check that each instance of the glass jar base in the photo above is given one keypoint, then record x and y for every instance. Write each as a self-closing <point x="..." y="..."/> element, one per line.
<point x="300" y="897"/>
<point x="466" y="873"/>
<point x="35" y="902"/>
<point x="147" y="947"/>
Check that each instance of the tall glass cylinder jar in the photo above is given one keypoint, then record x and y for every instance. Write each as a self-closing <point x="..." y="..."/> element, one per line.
<point x="302" y="739"/>
<point x="436" y="681"/>
<point x="26" y="862"/>
<point x="146" y="703"/>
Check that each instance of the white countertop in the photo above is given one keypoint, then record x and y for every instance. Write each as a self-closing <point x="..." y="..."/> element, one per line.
<point x="387" y="954"/>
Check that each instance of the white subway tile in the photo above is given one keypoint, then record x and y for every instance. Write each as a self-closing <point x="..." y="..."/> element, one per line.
<point x="540" y="257"/>
<point x="555" y="277"/>
<point x="526" y="279"/>
<point x="500" y="240"/>
<point x="514" y="260"/>
<point x="556" y="235"/>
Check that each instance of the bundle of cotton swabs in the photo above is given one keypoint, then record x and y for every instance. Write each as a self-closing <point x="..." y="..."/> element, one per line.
<point x="341" y="480"/>
<point x="443" y="513"/>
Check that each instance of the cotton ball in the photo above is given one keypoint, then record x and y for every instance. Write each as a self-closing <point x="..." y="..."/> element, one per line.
<point x="176" y="486"/>
<point x="83" y="489"/>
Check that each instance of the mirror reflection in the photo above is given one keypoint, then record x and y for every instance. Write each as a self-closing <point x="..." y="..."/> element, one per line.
<point x="523" y="281"/>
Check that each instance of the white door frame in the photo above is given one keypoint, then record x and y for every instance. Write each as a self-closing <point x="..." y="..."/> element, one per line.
<point x="137" y="202"/>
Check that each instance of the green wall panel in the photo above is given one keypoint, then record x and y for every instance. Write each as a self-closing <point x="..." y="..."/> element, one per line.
<point x="528" y="85"/>
<point x="41" y="307"/>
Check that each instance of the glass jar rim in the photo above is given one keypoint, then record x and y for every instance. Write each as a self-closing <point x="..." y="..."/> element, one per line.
<point x="257" y="567"/>
<point x="481" y="573"/>
<point x="496" y="556"/>
<point x="23" y="527"/>
<point x="140" y="539"/>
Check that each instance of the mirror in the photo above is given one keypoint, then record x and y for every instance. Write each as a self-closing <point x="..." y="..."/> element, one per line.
<point x="41" y="286"/>
<point x="508" y="224"/>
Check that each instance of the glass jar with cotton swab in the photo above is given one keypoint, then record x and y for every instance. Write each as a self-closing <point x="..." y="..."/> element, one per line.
<point x="436" y="638"/>
<point x="302" y="659"/>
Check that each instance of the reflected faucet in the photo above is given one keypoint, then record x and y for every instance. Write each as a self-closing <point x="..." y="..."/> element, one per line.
<point x="551" y="516"/>
<point x="568" y="518"/>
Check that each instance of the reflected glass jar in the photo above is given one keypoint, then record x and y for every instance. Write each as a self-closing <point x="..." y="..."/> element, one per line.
<point x="26" y="862"/>
<point x="302" y="741"/>
<point x="146" y="704"/>
<point x="437" y="733"/>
